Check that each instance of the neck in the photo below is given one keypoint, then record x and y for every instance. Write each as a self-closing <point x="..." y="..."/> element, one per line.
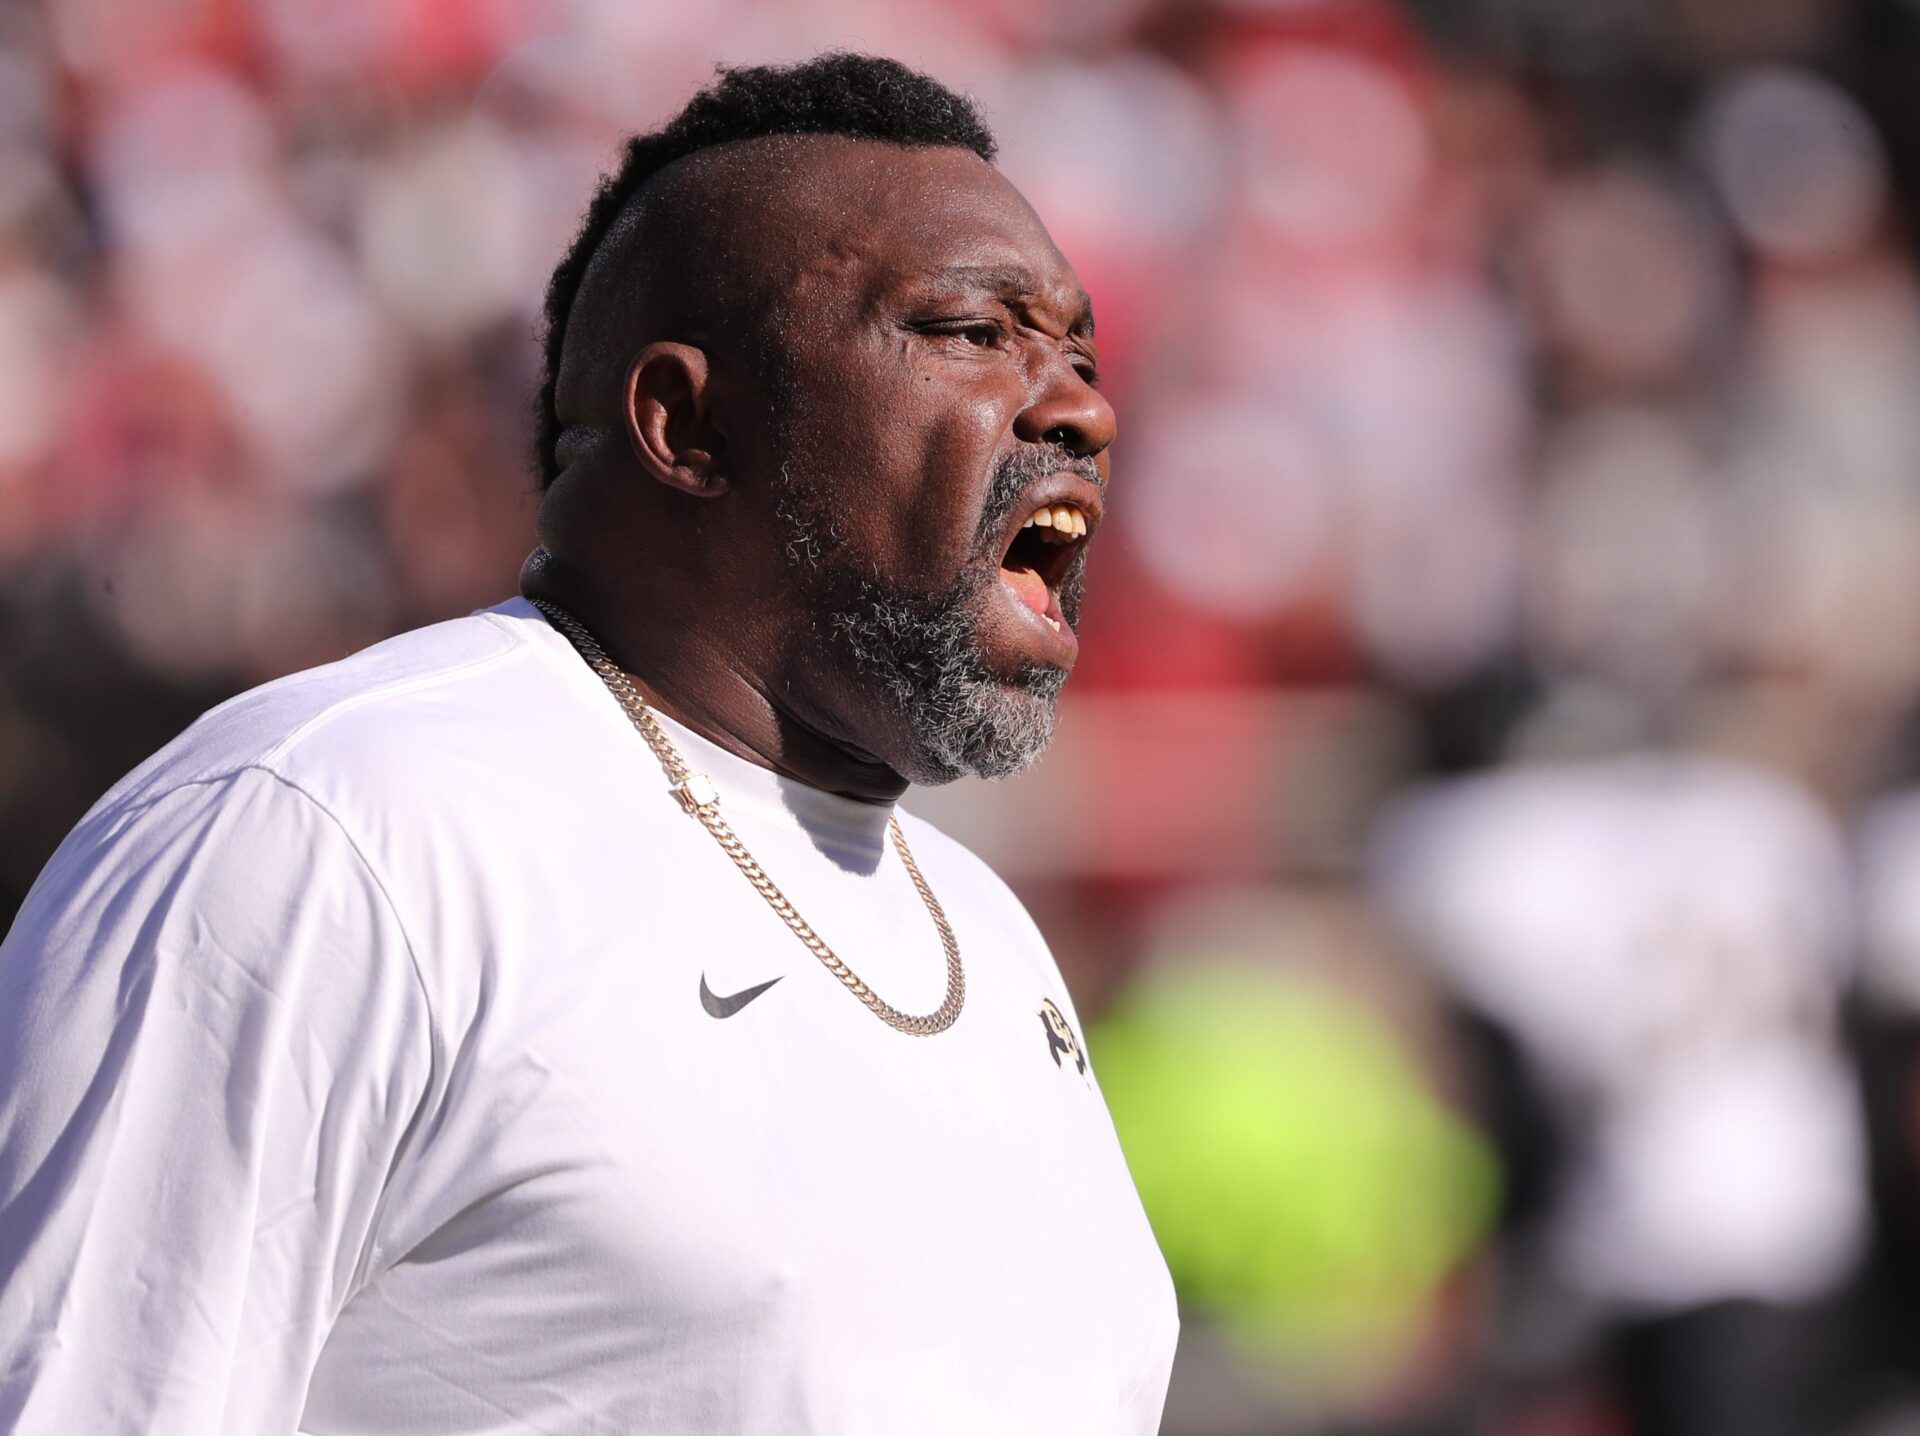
<point x="684" y="673"/>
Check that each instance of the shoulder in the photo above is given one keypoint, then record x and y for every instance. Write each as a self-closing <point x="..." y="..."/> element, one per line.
<point x="383" y="740"/>
<point x="240" y="851"/>
<point x="308" y="783"/>
<point x="392" y="696"/>
<point x="225" y="896"/>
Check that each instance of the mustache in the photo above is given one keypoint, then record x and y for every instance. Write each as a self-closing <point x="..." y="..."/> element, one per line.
<point x="1012" y="476"/>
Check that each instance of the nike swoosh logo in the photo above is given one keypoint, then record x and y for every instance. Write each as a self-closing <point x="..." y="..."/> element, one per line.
<point x="727" y="1006"/>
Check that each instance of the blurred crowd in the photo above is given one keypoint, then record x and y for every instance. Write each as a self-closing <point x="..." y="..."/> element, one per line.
<point x="1485" y="830"/>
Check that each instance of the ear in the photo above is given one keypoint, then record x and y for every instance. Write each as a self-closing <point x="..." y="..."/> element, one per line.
<point x="670" y="419"/>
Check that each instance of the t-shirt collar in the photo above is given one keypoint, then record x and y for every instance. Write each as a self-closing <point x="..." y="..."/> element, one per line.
<point x="847" y="830"/>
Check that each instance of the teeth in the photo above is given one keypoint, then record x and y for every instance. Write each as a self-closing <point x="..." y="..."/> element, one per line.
<point x="1066" y="522"/>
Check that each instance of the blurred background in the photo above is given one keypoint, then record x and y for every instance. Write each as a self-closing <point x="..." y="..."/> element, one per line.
<point x="1484" y="839"/>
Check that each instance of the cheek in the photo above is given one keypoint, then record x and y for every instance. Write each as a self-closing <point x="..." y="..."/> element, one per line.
<point x="906" y="452"/>
<point x="959" y="444"/>
<point x="951" y="430"/>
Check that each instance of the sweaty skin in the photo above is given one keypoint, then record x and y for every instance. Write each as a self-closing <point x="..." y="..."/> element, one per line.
<point x="884" y="327"/>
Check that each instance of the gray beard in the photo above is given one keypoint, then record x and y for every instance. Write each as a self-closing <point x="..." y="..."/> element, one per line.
<point x="922" y="651"/>
<point x="924" y="657"/>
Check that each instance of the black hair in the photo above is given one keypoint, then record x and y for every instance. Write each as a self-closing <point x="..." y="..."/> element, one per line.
<point x="837" y="93"/>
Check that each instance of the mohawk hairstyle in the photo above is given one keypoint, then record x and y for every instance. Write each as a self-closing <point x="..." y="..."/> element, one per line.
<point x="837" y="93"/>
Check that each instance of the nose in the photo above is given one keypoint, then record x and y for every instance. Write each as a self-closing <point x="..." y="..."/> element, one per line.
<point x="1069" y="412"/>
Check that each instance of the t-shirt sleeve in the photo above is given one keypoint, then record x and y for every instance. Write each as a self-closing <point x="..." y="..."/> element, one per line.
<point x="213" y="1046"/>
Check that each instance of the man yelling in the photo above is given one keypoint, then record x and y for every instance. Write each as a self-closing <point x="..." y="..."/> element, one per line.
<point x="546" y="1021"/>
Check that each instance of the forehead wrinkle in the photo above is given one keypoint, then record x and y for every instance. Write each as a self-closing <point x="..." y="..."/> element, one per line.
<point x="940" y="202"/>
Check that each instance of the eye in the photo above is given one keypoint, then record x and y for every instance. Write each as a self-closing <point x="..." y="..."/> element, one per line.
<point x="973" y="332"/>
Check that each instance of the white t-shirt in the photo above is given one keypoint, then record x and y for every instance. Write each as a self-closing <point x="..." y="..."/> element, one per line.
<point x="1665" y="936"/>
<point x="355" y="1076"/>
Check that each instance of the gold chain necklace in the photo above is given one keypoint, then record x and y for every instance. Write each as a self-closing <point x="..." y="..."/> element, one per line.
<point x="698" y="796"/>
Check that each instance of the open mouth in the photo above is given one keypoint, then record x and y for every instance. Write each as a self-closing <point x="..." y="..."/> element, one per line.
<point x="1042" y="551"/>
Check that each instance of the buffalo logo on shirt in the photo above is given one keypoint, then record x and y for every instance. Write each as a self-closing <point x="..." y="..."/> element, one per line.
<point x="1062" y="1045"/>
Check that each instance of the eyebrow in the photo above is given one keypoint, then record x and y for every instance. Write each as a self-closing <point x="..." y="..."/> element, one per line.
<point x="1011" y="281"/>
